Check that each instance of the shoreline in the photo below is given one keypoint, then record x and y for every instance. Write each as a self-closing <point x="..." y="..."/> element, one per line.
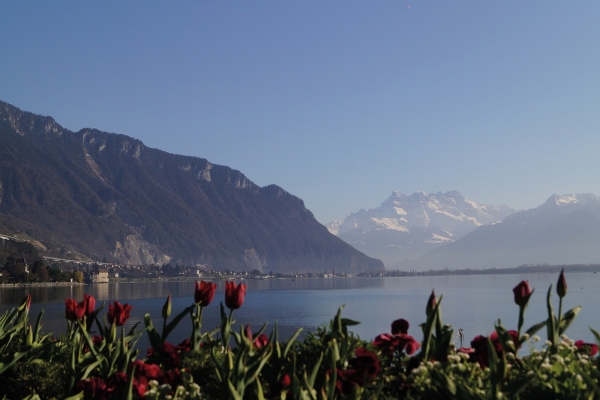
<point x="39" y="284"/>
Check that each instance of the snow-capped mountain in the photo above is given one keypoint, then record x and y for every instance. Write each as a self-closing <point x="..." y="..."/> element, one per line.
<point x="406" y="226"/>
<point x="563" y="230"/>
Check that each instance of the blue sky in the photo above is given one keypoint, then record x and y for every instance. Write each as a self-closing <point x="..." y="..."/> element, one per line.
<point x="338" y="102"/>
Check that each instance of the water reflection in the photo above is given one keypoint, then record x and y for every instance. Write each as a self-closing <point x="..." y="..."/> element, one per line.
<point x="473" y="303"/>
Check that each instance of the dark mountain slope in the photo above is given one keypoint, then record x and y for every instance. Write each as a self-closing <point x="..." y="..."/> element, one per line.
<point x="111" y="196"/>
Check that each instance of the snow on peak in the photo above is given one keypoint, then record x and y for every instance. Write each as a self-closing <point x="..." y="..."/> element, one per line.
<point x="571" y="198"/>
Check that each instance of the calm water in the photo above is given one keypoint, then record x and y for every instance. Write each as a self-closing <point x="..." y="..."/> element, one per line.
<point x="470" y="302"/>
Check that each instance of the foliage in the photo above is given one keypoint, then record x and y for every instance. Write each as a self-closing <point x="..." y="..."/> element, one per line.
<point x="97" y="359"/>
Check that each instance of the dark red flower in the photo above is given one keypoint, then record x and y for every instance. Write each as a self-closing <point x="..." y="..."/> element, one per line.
<point x="234" y="295"/>
<point x="366" y="362"/>
<point x="496" y="340"/>
<point x="561" y="285"/>
<point x="90" y="303"/>
<point x="364" y="366"/>
<point x="97" y="339"/>
<point x="173" y="377"/>
<point x="409" y="344"/>
<point x="400" y="342"/>
<point x="204" y="293"/>
<point x="400" y="326"/>
<point x="480" y="351"/>
<point x="93" y="388"/>
<point x="73" y="310"/>
<point x="591" y="348"/>
<point x="28" y="301"/>
<point x="522" y="293"/>
<point x="261" y="341"/>
<point x="144" y="373"/>
<point x="170" y="354"/>
<point x="384" y="341"/>
<point x="285" y="381"/>
<point x="184" y="346"/>
<point x="117" y="383"/>
<point x="118" y="313"/>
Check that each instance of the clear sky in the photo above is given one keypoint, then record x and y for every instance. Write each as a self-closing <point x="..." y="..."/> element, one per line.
<point x="338" y="102"/>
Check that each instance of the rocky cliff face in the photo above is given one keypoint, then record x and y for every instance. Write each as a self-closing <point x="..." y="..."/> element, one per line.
<point x="113" y="197"/>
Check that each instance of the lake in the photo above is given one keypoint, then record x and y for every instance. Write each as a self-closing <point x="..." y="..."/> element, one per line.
<point x="469" y="302"/>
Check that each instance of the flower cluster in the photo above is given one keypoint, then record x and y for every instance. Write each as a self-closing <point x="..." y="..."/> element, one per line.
<point x="399" y="340"/>
<point x="363" y="367"/>
<point x="75" y="311"/>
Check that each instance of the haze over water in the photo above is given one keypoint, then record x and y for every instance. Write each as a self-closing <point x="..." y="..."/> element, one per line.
<point x="473" y="303"/>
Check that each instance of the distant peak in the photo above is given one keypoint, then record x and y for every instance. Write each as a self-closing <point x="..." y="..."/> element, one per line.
<point x="570" y="198"/>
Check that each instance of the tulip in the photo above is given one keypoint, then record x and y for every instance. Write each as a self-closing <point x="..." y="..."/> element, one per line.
<point x="118" y="313"/>
<point x="166" y="310"/>
<point x="431" y="303"/>
<point x="591" y="348"/>
<point x="522" y="293"/>
<point x="561" y="285"/>
<point x="234" y="295"/>
<point x="73" y="310"/>
<point x="204" y="293"/>
<point x="400" y="326"/>
<point x="285" y="381"/>
<point x="90" y="303"/>
<point x="28" y="299"/>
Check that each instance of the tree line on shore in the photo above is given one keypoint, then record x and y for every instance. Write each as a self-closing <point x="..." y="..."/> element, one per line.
<point x="20" y="262"/>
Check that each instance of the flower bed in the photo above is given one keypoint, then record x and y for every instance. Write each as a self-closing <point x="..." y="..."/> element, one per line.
<point x="97" y="359"/>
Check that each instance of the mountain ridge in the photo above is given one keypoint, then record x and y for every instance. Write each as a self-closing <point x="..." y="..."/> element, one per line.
<point x="407" y="226"/>
<point x="110" y="195"/>
<point x="563" y="230"/>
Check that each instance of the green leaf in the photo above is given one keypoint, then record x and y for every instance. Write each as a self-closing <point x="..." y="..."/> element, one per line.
<point x="349" y="322"/>
<point x="552" y="329"/>
<point x="171" y="325"/>
<point x="315" y="371"/>
<point x="568" y="318"/>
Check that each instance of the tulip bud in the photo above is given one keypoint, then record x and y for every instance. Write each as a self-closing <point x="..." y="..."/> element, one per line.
<point x="431" y="303"/>
<point x="166" y="310"/>
<point x="561" y="285"/>
<point x="522" y="293"/>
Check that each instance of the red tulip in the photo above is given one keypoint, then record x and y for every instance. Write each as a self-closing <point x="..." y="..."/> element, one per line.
<point x="234" y="295"/>
<point x="561" y="285"/>
<point x="73" y="310"/>
<point x="28" y="299"/>
<point x="592" y="348"/>
<point x="285" y="381"/>
<point x="522" y="293"/>
<point x="204" y="293"/>
<point x="90" y="303"/>
<point x="400" y="326"/>
<point x="118" y="313"/>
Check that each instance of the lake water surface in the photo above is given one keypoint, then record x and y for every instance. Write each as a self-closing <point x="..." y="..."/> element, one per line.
<point x="469" y="302"/>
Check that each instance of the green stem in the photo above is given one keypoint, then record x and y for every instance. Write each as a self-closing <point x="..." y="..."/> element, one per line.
<point x="559" y="315"/>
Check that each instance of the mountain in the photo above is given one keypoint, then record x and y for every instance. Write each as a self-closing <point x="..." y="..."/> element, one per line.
<point x="563" y="230"/>
<point x="407" y="226"/>
<point x="109" y="196"/>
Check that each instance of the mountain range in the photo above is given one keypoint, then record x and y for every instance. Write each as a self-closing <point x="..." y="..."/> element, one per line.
<point x="408" y="226"/>
<point x="563" y="230"/>
<point x="109" y="196"/>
